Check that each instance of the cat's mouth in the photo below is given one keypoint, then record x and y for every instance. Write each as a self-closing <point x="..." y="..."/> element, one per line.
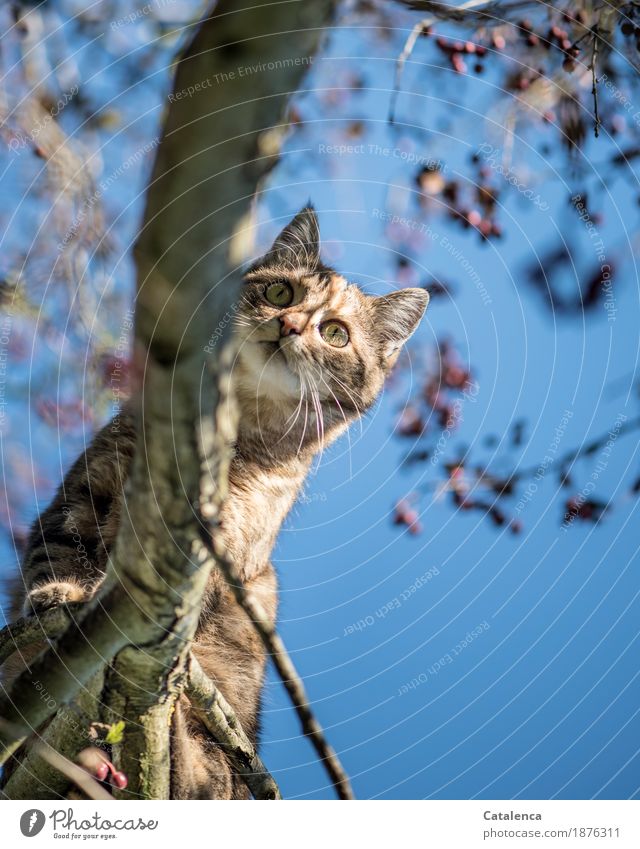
<point x="273" y="349"/>
<point x="275" y="354"/>
<point x="280" y="352"/>
<point x="272" y="346"/>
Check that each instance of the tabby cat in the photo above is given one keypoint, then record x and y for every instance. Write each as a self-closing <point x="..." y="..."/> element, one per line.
<point x="313" y="354"/>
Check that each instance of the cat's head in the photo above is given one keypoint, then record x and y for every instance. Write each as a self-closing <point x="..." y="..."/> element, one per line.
<point x="310" y="338"/>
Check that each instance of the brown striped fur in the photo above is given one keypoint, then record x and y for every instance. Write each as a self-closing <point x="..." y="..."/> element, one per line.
<point x="296" y="394"/>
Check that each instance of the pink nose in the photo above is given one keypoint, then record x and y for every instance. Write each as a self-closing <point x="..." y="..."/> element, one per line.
<point x="292" y="322"/>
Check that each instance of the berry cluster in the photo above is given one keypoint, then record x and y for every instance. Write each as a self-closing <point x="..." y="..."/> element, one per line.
<point x="475" y="208"/>
<point x="455" y="51"/>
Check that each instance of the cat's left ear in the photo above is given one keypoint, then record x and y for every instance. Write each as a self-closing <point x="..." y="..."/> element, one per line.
<point x="396" y="317"/>
<point x="298" y="244"/>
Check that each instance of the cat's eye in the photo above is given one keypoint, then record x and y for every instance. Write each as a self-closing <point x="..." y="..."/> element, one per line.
<point x="334" y="333"/>
<point x="279" y="294"/>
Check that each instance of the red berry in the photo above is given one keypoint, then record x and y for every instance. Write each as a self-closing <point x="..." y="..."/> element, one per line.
<point x="474" y="218"/>
<point x="459" y="65"/>
<point x="120" y="780"/>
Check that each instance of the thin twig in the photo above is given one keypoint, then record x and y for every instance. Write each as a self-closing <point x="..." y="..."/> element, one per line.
<point x="507" y="481"/>
<point x="80" y="777"/>
<point x="566" y="460"/>
<point x="407" y="50"/>
<point x="219" y="718"/>
<point x="594" y="78"/>
<point x="284" y="666"/>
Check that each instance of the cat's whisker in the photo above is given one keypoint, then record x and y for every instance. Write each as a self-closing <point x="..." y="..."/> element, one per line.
<point x="352" y="399"/>
<point x="255" y="323"/>
<point x="319" y="424"/>
<point x="342" y="413"/>
<point x="296" y="412"/>
<point x="304" y="429"/>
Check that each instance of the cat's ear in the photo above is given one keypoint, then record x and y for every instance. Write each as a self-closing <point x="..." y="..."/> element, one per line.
<point x="396" y="317"/>
<point x="298" y="244"/>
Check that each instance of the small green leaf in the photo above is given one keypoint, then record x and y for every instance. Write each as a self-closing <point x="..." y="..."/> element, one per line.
<point x="115" y="733"/>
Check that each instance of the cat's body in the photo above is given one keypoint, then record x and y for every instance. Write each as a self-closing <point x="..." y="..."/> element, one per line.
<point x="313" y="355"/>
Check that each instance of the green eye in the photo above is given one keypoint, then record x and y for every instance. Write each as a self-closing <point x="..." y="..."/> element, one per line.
<point x="279" y="294"/>
<point x="334" y="333"/>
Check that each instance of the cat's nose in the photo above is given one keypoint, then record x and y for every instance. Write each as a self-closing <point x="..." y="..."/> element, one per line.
<point x="292" y="322"/>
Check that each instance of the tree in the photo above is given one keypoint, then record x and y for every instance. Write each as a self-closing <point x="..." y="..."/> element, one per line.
<point x="124" y="657"/>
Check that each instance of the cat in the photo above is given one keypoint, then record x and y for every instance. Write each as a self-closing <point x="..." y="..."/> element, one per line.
<point x="313" y="352"/>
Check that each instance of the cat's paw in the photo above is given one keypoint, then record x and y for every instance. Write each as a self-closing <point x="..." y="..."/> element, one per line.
<point x="50" y="595"/>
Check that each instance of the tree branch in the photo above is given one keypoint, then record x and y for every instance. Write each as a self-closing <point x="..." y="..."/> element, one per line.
<point x="31" y="630"/>
<point x="49" y="761"/>
<point x="284" y="666"/>
<point x="19" y="787"/>
<point x="439" y="11"/>
<point x="218" y="716"/>
<point x="594" y="82"/>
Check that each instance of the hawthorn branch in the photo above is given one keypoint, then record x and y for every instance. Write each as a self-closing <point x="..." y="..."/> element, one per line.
<point x="207" y="169"/>
<point x="274" y="645"/>
<point x="439" y="11"/>
<point x="594" y="82"/>
<point x="30" y="630"/>
<point x="91" y="640"/>
<point x="218" y="717"/>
